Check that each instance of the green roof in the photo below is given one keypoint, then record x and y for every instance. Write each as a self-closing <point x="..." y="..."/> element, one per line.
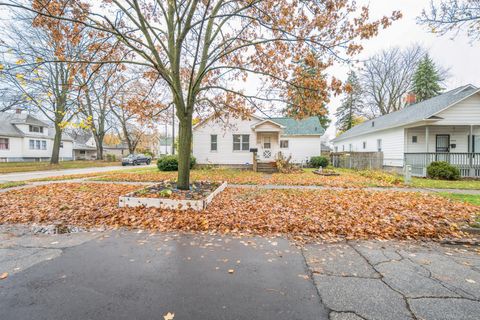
<point x="307" y="126"/>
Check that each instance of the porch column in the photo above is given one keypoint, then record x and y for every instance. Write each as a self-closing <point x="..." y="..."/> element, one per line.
<point x="470" y="150"/>
<point x="427" y="138"/>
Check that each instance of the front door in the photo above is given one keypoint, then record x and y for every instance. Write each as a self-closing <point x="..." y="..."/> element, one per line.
<point x="267" y="147"/>
<point x="442" y="146"/>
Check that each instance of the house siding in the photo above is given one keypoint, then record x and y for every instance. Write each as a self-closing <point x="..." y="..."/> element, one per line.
<point x="301" y="147"/>
<point x="392" y="145"/>
<point x="224" y="154"/>
<point x="458" y="136"/>
<point x="466" y="112"/>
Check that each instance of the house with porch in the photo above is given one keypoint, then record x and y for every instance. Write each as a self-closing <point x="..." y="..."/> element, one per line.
<point x="443" y="128"/>
<point x="25" y="137"/>
<point x="235" y="141"/>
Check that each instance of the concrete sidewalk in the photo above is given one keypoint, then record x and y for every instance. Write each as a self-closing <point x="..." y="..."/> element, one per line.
<point x="22" y="176"/>
<point x="139" y="275"/>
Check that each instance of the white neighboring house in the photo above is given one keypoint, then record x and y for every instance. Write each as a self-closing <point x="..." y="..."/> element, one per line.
<point x="24" y="137"/>
<point x="229" y="142"/>
<point x="84" y="148"/>
<point x="444" y="128"/>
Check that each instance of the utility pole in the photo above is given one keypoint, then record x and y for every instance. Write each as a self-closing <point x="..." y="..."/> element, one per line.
<point x="173" y="129"/>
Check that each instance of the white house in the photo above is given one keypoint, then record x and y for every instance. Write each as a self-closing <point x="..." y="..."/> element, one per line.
<point x="84" y="147"/>
<point x="221" y="142"/>
<point x="444" y="128"/>
<point x="23" y="137"/>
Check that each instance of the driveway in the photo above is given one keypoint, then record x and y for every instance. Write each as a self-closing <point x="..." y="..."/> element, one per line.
<point x="22" y="176"/>
<point x="140" y="275"/>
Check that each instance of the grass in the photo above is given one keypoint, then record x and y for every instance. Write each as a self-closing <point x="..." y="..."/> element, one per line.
<point x="445" y="184"/>
<point x="7" y="185"/>
<point x="12" y="167"/>
<point x="469" y="198"/>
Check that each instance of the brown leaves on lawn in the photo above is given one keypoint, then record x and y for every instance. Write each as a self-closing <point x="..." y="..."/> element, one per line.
<point x="304" y="178"/>
<point x="301" y="214"/>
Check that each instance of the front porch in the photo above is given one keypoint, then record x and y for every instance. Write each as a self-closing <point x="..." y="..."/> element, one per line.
<point x="457" y="145"/>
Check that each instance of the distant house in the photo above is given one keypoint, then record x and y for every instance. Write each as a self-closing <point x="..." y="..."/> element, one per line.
<point x="230" y="142"/>
<point x="84" y="147"/>
<point x="444" y="128"/>
<point x="24" y="137"/>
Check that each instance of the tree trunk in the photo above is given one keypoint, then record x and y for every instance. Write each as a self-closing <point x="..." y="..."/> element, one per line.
<point x="184" y="149"/>
<point x="99" y="145"/>
<point x="56" y="145"/>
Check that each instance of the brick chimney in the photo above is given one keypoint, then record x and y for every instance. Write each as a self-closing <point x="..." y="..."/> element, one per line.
<point x="411" y="98"/>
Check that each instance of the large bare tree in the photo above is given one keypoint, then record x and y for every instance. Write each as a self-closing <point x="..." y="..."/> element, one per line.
<point x="387" y="77"/>
<point x="203" y="51"/>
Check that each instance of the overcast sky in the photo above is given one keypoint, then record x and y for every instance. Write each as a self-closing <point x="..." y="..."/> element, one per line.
<point x="452" y="52"/>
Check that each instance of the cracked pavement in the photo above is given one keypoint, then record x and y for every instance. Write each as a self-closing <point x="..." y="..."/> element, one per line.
<point x="142" y="275"/>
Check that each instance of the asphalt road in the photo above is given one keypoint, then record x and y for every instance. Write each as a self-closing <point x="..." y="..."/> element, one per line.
<point x="138" y="276"/>
<point x="22" y="176"/>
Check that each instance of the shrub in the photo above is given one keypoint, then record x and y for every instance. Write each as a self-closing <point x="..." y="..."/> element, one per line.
<point x="284" y="165"/>
<point x="317" y="162"/>
<point x="443" y="170"/>
<point x="111" y="157"/>
<point x="170" y="163"/>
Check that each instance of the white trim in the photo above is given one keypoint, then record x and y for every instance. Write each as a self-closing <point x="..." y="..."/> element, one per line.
<point x="267" y="120"/>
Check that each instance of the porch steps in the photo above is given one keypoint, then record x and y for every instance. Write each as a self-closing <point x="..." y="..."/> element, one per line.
<point x="267" y="167"/>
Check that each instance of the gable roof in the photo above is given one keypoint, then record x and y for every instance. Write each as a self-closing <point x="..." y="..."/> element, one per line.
<point x="425" y="110"/>
<point x="8" y="126"/>
<point x="25" y="118"/>
<point x="268" y="120"/>
<point x="294" y="127"/>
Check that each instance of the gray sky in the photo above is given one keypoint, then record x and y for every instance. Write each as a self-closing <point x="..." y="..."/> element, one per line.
<point x="453" y="52"/>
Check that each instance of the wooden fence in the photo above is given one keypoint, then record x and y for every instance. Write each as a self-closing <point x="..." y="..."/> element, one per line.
<point x="357" y="160"/>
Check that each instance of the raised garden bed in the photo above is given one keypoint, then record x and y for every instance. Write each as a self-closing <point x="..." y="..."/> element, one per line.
<point x="326" y="173"/>
<point x="165" y="195"/>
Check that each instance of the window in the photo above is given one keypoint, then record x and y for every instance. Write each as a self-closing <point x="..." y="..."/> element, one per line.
<point x="82" y="152"/>
<point x="267" y="143"/>
<point x="241" y="142"/>
<point x="61" y="144"/>
<point x="414" y="139"/>
<point x="213" y="142"/>
<point x="35" y="129"/>
<point x="379" y="145"/>
<point x="474" y="141"/>
<point x="37" y="144"/>
<point x="364" y="144"/>
<point x="284" y="144"/>
<point x="373" y="123"/>
<point x="4" y="144"/>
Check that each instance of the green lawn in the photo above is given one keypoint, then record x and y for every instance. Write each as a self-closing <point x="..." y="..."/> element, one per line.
<point x="469" y="198"/>
<point x="10" y="167"/>
<point x="11" y="184"/>
<point x="444" y="184"/>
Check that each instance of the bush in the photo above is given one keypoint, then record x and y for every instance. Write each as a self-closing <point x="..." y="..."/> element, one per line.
<point x="111" y="157"/>
<point x="443" y="170"/>
<point x="317" y="162"/>
<point x="381" y="176"/>
<point x="170" y="163"/>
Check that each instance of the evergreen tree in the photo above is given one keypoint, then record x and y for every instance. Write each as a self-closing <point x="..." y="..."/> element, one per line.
<point x="426" y="80"/>
<point x="352" y="104"/>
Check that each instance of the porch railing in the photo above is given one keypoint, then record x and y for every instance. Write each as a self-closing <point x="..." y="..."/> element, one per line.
<point x="468" y="163"/>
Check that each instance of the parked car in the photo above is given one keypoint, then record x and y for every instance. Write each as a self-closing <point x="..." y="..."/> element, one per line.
<point x="136" y="159"/>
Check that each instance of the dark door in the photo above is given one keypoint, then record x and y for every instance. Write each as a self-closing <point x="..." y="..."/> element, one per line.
<point x="443" y="146"/>
<point x="443" y="143"/>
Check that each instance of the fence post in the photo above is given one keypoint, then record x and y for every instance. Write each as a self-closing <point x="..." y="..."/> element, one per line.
<point x="408" y="174"/>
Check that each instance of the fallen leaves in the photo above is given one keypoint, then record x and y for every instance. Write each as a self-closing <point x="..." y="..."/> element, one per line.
<point x="4" y="276"/>
<point x="169" y="316"/>
<point x="304" y="178"/>
<point x="300" y="214"/>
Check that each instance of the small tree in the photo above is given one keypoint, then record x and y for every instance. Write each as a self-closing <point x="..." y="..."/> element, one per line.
<point x="352" y="104"/>
<point x="426" y="80"/>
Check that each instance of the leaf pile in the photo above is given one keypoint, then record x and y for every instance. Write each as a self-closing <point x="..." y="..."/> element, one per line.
<point x="304" y="178"/>
<point x="329" y="214"/>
